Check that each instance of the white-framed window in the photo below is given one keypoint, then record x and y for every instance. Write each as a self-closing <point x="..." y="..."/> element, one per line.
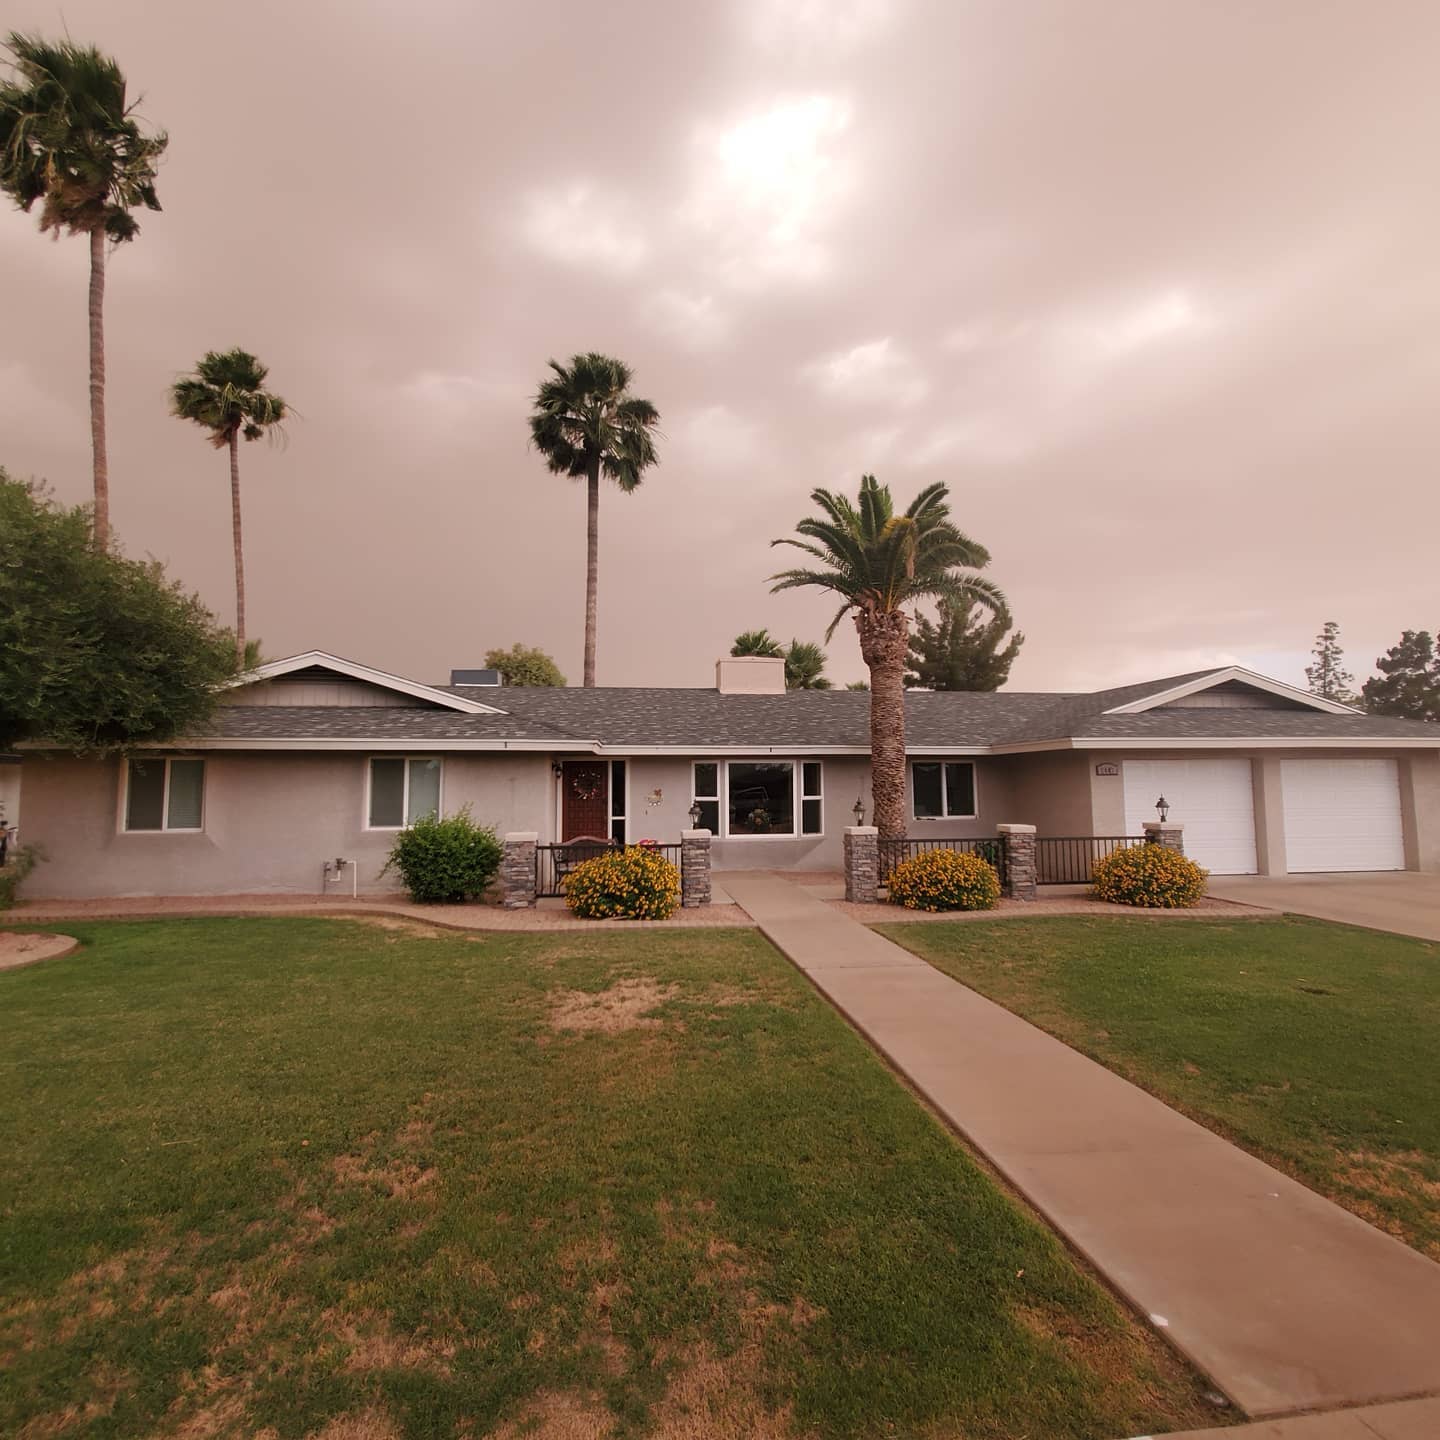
<point x="400" y="789"/>
<point x="943" y="790"/>
<point x="164" y="794"/>
<point x="779" y="798"/>
<point x="619" y="795"/>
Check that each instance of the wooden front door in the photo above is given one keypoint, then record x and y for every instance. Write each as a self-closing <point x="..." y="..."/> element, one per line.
<point x="585" y="800"/>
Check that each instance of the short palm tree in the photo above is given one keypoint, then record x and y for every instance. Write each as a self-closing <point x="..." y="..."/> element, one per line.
<point x="757" y="642"/>
<point x="70" y="139"/>
<point x="226" y="396"/>
<point x="805" y="666"/>
<point x="877" y="562"/>
<point x="587" y="424"/>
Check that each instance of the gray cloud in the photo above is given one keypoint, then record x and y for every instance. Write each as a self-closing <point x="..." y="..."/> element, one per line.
<point x="1152" y="287"/>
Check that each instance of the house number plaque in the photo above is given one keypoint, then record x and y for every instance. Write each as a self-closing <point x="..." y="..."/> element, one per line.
<point x="1107" y="769"/>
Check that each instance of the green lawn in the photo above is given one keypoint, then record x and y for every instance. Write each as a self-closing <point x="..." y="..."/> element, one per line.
<point x="1314" y="1045"/>
<point x="287" y="1178"/>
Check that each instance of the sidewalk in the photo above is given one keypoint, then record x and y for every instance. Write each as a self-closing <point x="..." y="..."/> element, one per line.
<point x="1407" y="1420"/>
<point x="1286" y="1301"/>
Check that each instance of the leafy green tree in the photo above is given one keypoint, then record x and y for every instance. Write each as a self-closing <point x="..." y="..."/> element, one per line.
<point x="97" y="652"/>
<point x="69" y="138"/>
<point x="1408" y="685"/>
<point x="877" y="562"/>
<point x="226" y="397"/>
<point x="586" y="424"/>
<point x="757" y="642"/>
<point x="965" y="650"/>
<point x="805" y="666"/>
<point x="1327" y="676"/>
<point x="525" y="665"/>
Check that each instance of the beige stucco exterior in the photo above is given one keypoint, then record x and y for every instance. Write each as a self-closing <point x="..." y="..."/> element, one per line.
<point x="272" y="819"/>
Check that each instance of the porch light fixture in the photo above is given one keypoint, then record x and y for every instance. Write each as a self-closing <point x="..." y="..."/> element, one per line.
<point x="695" y="813"/>
<point x="1162" y="809"/>
<point x="859" y="811"/>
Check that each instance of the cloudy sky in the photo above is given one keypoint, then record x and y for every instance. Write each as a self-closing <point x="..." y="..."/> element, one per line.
<point x="1153" y="285"/>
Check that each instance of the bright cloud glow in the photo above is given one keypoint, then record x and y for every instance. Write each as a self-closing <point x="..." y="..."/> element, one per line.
<point x="1165" y="317"/>
<point x="816" y="28"/>
<point x="877" y="372"/>
<point x="716" y="438"/>
<point x="578" y="225"/>
<point x="767" y="184"/>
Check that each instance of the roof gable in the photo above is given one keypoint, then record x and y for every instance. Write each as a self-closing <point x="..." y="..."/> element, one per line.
<point x="318" y="661"/>
<point x="1230" y="679"/>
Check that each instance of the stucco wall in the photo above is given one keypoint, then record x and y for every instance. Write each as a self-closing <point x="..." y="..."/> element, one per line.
<point x="270" y="823"/>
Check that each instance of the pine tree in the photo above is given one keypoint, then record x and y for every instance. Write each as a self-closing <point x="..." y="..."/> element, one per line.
<point x="1328" y="677"/>
<point x="963" y="651"/>
<point x="1408" y="685"/>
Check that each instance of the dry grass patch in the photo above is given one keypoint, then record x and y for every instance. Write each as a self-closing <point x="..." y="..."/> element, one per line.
<point x="559" y="1415"/>
<point x="714" y="1397"/>
<point x="372" y="1424"/>
<point x="626" y="1005"/>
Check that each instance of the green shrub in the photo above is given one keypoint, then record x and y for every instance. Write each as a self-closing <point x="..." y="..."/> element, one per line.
<point x="1150" y="875"/>
<point x="637" y="883"/>
<point x="945" y="880"/>
<point x="445" y="860"/>
<point x="18" y="864"/>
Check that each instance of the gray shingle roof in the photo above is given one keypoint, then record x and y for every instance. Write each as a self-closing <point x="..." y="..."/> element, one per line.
<point x="700" y="720"/>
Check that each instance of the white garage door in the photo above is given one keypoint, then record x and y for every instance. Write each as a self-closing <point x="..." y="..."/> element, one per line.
<point x="1212" y="799"/>
<point x="1342" y="815"/>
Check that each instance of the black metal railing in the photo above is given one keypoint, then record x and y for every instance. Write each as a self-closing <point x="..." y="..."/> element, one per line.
<point x="554" y="862"/>
<point x="1070" y="859"/>
<point x="892" y="852"/>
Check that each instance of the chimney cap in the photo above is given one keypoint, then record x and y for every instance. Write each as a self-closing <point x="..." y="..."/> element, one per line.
<point x="750" y="675"/>
<point x="476" y="677"/>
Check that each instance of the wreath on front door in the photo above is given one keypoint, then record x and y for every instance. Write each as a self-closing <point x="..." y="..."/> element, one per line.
<point x="586" y="785"/>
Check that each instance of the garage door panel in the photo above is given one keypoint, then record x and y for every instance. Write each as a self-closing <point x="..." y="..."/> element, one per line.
<point x="1212" y="798"/>
<point x="1342" y="815"/>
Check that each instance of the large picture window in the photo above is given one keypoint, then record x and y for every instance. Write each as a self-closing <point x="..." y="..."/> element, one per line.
<point x="943" y="790"/>
<point x="760" y="797"/>
<point x="164" y="794"/>
<point x="402" y="790"/>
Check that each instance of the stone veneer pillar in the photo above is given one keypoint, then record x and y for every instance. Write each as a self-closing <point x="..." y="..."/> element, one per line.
<point x="862" y="864"/>
<point x="1166" y="833"/>
<point x="517" y="870"/>
<point x="694" y="868"/>
<point x="1019" y="843"/>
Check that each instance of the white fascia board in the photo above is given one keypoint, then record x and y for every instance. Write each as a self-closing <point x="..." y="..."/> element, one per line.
<point x="412" y="744"/>
<point x="1220" y="677"/>
<point x="1256" y="742"/>
<point x="352" y="670"/>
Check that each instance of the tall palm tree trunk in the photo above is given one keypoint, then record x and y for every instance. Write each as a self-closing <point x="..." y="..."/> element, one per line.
<point x="97" y="389"/>
<point x="592" y="568"/>
<point x="239" y="549"/>
<point x="884" y="644"/>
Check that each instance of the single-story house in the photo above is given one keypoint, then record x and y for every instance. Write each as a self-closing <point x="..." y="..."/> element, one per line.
<point x="314" y="759"/>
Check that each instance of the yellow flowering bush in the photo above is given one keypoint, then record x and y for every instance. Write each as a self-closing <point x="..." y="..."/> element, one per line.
<point x="1150" y="875"/>
<point x="945" y="880"/>
<point x="637" y="883"/>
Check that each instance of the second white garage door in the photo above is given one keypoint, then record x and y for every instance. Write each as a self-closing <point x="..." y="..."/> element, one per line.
<point x="1213" y="799"/>
<point x="1342" y="815"/>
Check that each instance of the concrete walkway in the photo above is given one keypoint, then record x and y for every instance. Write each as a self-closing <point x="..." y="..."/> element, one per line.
<point x="1402" y="901"/>
<point x="1407" y="1420"/>
<point x="1286" y="1301"/>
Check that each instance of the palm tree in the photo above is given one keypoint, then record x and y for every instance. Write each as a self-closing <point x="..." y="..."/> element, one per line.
<point x="757" y="642"/>
<point x="877" y="562"/>
<point x="69" y="138"/>
<point x="805" y="666"/>
<point x="226" y="396"/>
<point x="586" y="423"/>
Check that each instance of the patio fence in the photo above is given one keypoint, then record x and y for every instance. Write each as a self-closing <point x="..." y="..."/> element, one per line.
<point x="1070" y="859"/>
<point x="892" y="852"/>
<point x="554" y="862"/>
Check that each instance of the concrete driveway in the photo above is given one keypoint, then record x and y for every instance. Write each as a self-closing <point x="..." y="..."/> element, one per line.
<point x="1402" y="901"/>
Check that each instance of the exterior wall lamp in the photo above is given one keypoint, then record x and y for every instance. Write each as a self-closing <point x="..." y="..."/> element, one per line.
<point x="695" y="813"/>
<point x="1162" y="809"/>
<point x="859" y="811"/>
